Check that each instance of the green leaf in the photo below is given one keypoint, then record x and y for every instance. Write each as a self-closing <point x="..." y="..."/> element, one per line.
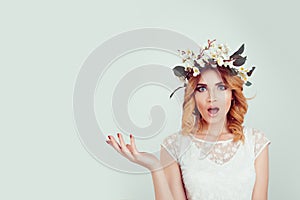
<point x="238" y="52"/>
<point x="233" y="71"/>
<point x="234" y="57"/>
<point x="251" y="71"/>
<point x="248" y="83"/>
<point x="179" y="71"/>
<point x="239" y="61"/>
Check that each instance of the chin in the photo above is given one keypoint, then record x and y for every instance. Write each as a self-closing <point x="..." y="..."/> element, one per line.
<point x="214" y="120"/>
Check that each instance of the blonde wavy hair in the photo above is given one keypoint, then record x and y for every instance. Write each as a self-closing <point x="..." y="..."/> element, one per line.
<point x="191" y="117"/>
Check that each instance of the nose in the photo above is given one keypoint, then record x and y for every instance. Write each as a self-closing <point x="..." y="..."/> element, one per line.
<point x="211" y="97"/>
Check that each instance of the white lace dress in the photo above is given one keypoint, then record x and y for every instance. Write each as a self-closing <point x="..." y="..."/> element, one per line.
<point x="225" y="172"/>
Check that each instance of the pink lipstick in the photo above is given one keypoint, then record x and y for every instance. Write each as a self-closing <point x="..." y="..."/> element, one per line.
<point x="212" y="111"/>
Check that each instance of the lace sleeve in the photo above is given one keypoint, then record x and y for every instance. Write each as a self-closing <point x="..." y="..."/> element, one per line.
<point x="169" y="144"/>
<point x="260" y="142"/>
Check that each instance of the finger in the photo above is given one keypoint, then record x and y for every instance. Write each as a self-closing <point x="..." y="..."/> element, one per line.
<point x="133" y="152"/>
<point x="124" y="148"/>
<point x="132" y="144"/>
<point x="122" y="143"/>
<point x="114" y="143"/>
<point x="109" y="141"/>
<point x="129" y="152"/>
<point x="129" y="147"/>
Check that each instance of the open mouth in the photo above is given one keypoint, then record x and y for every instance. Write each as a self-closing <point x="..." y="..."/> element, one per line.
<point x="213" y="111"/>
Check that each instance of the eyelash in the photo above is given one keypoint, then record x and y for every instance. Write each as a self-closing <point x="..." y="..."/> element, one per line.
<point x="225" y="88"/>
<point x="198" y="88"/>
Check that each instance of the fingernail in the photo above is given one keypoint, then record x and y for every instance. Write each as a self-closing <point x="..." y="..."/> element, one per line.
<point x="109" y="137"/>
<point x="130" y="135"/>
<point x="107" y="142"/>
<point x="118" y="134"/>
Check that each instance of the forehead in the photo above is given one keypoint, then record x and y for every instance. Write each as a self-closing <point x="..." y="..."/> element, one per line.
<point x="210" y="77"/>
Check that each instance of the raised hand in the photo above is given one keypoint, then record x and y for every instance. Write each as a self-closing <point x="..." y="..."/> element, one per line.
<point x="130" y="152"/>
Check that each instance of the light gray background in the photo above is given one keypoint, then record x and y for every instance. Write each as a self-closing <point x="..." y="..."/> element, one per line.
<point x="43" y="45"/>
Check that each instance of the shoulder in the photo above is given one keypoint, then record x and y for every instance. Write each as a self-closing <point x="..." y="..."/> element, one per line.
<point x="255" y="135"/>
<point x="171" y="138"/>
<point x="169" y="143"/>
<point x="176" y="138"/>
<point x="176" y="144"/>
<point x="257" y="139"/>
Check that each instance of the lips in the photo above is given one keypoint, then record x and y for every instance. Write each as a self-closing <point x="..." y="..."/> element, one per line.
<point x="213" y="110"/>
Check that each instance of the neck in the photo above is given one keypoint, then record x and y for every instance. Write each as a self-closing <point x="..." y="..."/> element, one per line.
<point x="214" y="129"/>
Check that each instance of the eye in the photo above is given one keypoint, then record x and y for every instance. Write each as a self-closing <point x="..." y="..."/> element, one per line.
<point x="222" y="87"/>
<point x="201" y="89"/>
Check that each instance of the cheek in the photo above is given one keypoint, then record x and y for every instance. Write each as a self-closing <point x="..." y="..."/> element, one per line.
<point x="228" y="100"/>
<point x="200" y="101"/>
<point x="224" y="96"/>
<point x="224" y="99"/>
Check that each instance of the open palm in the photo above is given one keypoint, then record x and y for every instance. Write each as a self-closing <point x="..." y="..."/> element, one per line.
<point x="130" y="152"/>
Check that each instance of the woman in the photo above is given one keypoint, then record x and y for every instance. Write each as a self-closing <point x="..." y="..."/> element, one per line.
<point x="214" y="156"/>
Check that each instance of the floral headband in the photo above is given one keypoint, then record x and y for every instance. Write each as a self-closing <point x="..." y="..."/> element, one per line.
<point x="212" y="55"/>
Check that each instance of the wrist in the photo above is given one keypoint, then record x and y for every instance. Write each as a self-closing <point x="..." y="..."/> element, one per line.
<point x="156" y="167"/>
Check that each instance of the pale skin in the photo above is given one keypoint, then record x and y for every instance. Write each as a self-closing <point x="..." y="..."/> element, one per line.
<point x="166" y="174"/>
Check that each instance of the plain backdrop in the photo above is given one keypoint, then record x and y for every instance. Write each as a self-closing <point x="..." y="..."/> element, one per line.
<point x="43" y="45"/>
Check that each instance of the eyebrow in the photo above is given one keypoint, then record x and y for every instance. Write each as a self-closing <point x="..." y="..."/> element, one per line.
<point x="202" y="84"/>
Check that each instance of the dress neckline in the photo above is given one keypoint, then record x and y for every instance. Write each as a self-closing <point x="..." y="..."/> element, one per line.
<point x="218" y="141"/>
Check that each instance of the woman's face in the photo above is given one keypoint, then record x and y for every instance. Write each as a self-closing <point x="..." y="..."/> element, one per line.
<point x="212" y="97"/>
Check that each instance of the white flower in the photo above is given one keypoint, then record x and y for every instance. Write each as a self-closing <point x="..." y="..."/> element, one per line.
<point x="196" y="71"/>
<point x="243" y="76"/>
<point x="213" y="55"/>
<point x="226" y="49"/>
<point x="223" y="48"/>
<point x="220" y="61"/>
<point x="188" y="65"/>
<point x="219" y="52"/>
<point x="229" y="64"/>
<point x="214" y="65"/>
<point x="190" y="55"/>
<point x="243" y="70"/>
<point x="186" y="68"/>
<point x="243" y="73"/>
